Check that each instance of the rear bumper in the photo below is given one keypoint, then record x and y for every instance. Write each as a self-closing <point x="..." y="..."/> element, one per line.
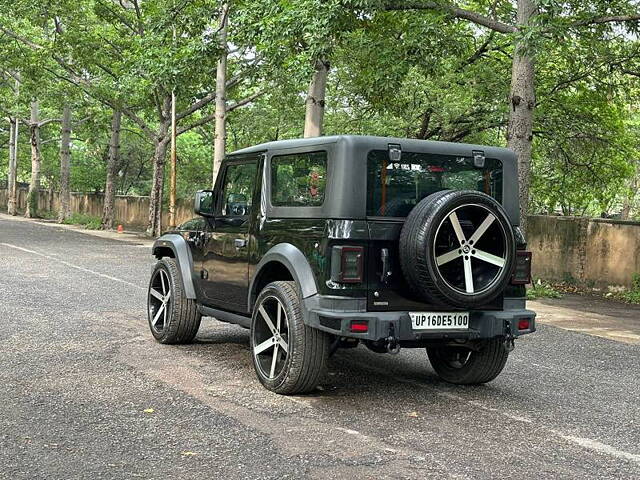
<point x="335" y="315"/>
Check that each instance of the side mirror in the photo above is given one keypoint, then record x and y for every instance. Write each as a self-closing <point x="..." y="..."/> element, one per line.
<point x="203" y="204"/>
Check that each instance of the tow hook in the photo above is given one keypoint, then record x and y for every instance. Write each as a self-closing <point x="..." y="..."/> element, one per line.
<point x="393" y="344"/>
<point x="509" y="344"/>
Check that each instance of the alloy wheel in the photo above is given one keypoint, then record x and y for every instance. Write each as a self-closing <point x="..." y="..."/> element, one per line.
<point x="159" y="300"/>
<point x="270" y="337"/>
<point x="470" y="249"/>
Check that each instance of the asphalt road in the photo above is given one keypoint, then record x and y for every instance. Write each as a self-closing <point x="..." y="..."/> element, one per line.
<point x="80" y="373"/>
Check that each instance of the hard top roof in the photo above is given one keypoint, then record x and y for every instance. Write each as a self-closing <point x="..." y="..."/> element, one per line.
<point x="378" y="143"/>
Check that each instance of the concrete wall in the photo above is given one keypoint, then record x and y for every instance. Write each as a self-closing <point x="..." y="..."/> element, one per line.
<point x="130" y="211"/>
<point x="592" y="252"/>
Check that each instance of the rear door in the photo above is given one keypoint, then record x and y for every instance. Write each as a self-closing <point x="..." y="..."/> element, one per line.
<point x="226" y="252"/>
<point x="394" y="187"/>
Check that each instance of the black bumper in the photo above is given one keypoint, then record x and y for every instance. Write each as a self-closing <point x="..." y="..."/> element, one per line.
<point x="336" y="314"/>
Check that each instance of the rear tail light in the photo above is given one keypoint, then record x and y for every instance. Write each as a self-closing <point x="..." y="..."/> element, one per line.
<point x="524" y="324"/>
<point x="522" y="270"/>
<point x="350" y="262"/>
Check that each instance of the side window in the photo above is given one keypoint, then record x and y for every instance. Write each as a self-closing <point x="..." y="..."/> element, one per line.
<point x="237" y="192"/>
<point x="195" y="224"/>
<point x="298" y="180"/>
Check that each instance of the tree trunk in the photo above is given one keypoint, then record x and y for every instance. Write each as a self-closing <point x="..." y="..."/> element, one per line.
<point x="629" y="199"/>
<point x="65" y="166"/>
<point x="314" y="114"/>
<point x="522" y="105"/>
<point x="13" y="167"/>
<point x="34" y="186"/>
<point x="112" y="168"/>
<point x="220" y="134"/>
<point x="154" y="227"/>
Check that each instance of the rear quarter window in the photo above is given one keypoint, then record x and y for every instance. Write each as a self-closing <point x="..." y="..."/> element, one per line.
<point x="298" y="180"/>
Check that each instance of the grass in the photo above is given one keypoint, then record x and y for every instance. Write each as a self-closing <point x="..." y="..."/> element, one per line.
<point x="632" y="295"/>
<point x="89" y="222"/>
<point x="542" y="289"/>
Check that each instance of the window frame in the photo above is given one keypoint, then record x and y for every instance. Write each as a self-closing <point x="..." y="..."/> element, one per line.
<point x="221" y="183"/>
<point x="326" y="174"/>
<point x="319" y="211"/>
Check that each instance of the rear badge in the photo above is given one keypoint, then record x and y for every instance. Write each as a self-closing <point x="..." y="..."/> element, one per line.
<point x="381" y="304"/>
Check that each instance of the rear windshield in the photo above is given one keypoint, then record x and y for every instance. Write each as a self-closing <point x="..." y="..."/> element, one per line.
<point x="394" y="188"/>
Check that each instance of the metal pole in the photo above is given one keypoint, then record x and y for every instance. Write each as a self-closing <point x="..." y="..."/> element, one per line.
<point x="172" y="182"/>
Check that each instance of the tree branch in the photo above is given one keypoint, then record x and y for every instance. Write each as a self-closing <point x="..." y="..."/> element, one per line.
<point x="203" y="102"/>
<point x="21" y="39"/>
<point x="44" y="123"/>
<point x="244" y="101"/>
<point x="454" y="12"/>
<point x="631" y="72"/>
<point x="608" y="19"/>
<point x="197" y="123"/>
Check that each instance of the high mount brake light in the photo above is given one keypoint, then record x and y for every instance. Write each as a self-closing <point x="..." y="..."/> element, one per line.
<point x="522" y="270"/>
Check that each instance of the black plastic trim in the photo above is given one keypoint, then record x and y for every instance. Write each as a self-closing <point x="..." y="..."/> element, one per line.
<point x="182" y="255"/>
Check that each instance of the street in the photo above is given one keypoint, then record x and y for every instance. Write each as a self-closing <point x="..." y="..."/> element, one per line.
<point x="87" y="393"/>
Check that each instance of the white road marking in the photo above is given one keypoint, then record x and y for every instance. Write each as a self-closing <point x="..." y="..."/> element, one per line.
<point x="77" y="267"/>
<point x="600" y="447"/>
<point x="587" y="443"/>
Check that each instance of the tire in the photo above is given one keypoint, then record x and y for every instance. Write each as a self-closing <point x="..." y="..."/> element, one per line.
<point x="300" y="368"/>
<point x="475" y="270"/>
<point x="479" y="366"/>
<point x="179" y="321"/>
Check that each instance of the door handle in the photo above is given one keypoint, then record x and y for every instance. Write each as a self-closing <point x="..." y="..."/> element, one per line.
<point x="240" y="242"/>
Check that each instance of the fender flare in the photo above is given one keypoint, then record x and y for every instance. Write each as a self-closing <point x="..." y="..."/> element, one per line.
<point x="295" y="261"/>
<point x="182" y="255"/>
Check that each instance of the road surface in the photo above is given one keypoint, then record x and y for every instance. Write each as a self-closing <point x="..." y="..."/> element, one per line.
<point x="86" y="392"/>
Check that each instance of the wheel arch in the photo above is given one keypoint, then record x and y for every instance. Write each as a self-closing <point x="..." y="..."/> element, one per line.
<point x="283" y="262"/>
<point x="175" y="246"/>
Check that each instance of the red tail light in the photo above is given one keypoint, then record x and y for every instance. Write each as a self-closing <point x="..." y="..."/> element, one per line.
<point x="524" y="324"/>
<point x="351" y="264"/>
<point x="359" y="326"/>
<point x="522" y="270"/>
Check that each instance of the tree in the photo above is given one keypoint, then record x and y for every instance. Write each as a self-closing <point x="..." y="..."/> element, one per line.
<point x="522" y="99"/>
<point x="64" y="211"/>
<point x="112" y="171"/>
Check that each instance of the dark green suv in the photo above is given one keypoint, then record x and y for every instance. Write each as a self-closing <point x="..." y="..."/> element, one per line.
<point x="329" y="242"/>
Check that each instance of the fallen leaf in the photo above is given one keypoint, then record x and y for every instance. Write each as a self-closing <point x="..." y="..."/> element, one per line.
<point x="412" y="414"/>
<point x="148" y="410"/>
<point x="187" y="453"/>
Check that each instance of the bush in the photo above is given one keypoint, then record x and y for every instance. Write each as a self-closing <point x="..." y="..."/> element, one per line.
<point x="633" y="295"/>
<point x="87" y="221"/>
<point x="542" y="289"/>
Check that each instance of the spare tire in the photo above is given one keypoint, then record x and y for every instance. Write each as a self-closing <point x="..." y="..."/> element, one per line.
<point x="457" y="248"/>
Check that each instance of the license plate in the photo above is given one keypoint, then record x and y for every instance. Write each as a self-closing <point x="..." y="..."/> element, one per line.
<point x="439" y="320"/>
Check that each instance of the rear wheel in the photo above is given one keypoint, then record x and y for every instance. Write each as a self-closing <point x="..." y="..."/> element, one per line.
<point x="289" y="357"/>
<point x="464" y="366"/>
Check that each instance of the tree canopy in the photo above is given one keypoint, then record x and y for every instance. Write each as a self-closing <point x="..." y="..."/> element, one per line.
<point x="450" y="71"/>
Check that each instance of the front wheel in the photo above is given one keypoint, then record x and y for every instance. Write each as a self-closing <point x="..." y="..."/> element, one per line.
<point x="464" y="366"/>
<point x="289" y="357"/>
<point x="173" y="318"/>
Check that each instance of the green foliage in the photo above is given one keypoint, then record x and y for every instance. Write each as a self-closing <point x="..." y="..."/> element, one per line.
<point x="632" y="295"/>
<point x="542" y="289"/>
<point x="404" y="73"/>
<point x="89" y="222"/>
